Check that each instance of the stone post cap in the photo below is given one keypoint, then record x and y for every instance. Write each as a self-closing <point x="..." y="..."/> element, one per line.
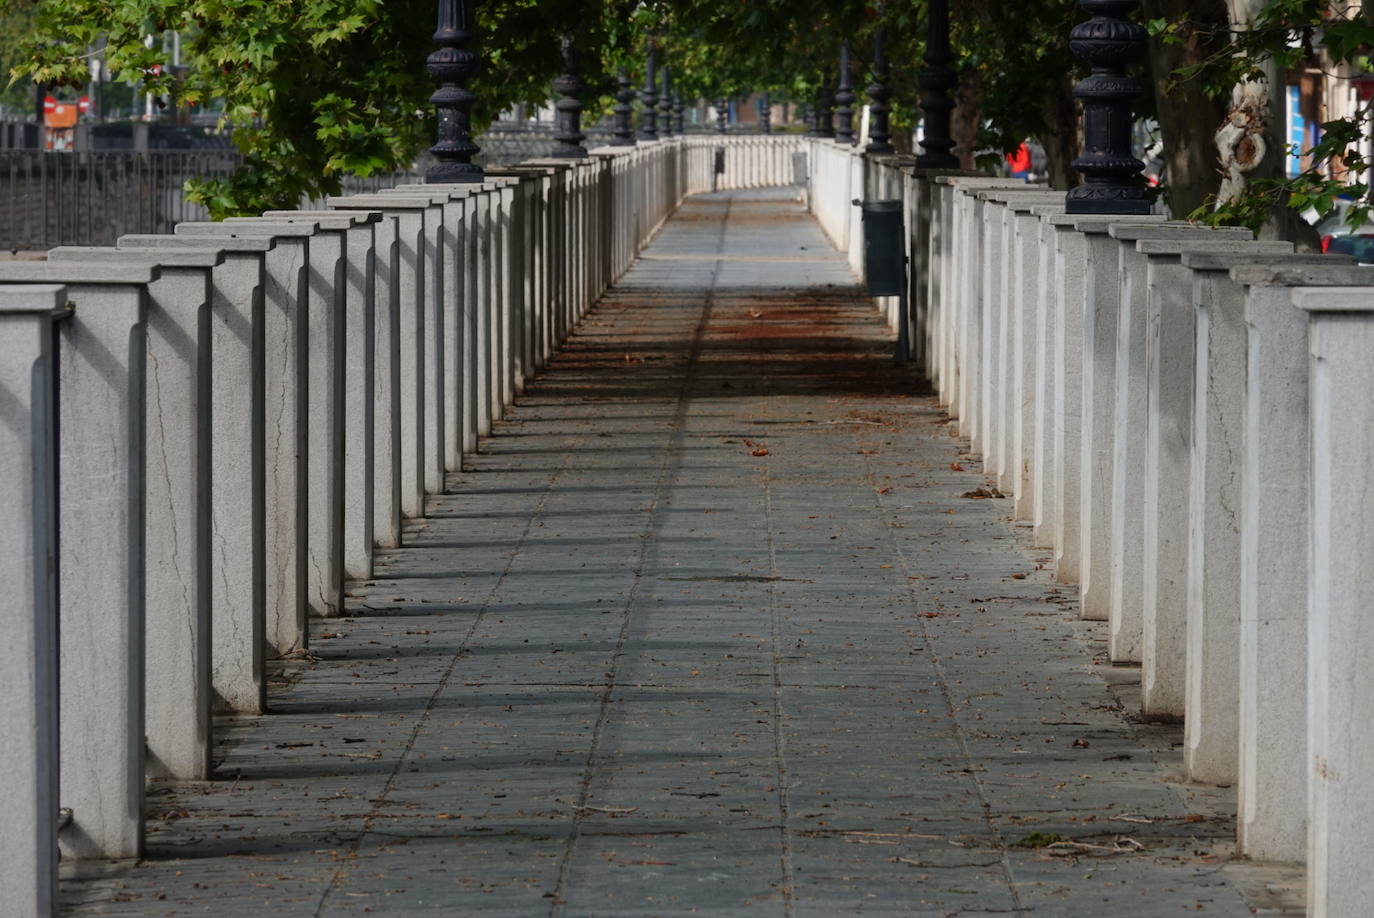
<point x="1133" y="232"/>
<point x="1286" y="275"/>
<point x="17" y="299"/>
<point x="435" y="194"/>
<point x="1036" y="204"/>
<point x="1222" y="261"/>
<point x="224" y="243"/>
<point x="1176" y="247"/>
<point x="1007" y="195"/>
<point x="526" y="169"/>
<point x="980" y="181"/>
<point x="326" y="222"/>
<point x="259" y="228"/>
<point x="1047" y="211"/>
<point x="206" y="257"/>
<point x="300" y="216"/>
<point x="561" y="165"/>
<point x="1099" y="223"/>
<point x="1334" y="299"/>
<point x="384" y="202"/>
<point x="77" y="273"/>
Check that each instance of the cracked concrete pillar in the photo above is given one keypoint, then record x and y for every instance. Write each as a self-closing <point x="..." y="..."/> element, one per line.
<point x="1169" y="372"/>
<point x="28" y="566"/>
<point x="178" y="693"/>
<point x="1272" y="794"/>
<point x="1127" y="545"/>
<point x="356" y="369"/>
<point x="419" y="241"/>
<point x="237" y="564"/>
<point x="284" y="362"/>
<point x="1340" y="665"/>
<point x="102" y="355"/>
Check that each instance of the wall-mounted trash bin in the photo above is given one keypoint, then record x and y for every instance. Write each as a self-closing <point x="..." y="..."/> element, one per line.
<point x="720" y="161"/>
<point x="884" y="248"/>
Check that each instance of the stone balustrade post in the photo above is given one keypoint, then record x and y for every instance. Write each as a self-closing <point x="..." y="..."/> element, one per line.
<point x="1126" y="640"/>
<point x="178" y="691"/>
<point x="357" y="367"/>
<point x="1340" y="675"/>
<point x="419" y="243"/>
<point x="102" y="360"/>
<point x="284" y="361"/>
<point x="28" y="657"/>
<point x="1272" y="795"/>
<point x="237" y="513"/>
<point x="325" y="323"/>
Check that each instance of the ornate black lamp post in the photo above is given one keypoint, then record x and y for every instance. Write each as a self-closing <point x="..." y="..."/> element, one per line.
<point x="624" y="130"/>
<point x="679" y="109"/>
<point x="879" y="133"/>
<point x="568" y="137"/>
<point x="648" y="97"/>
<point x="844" y="100"/>
<point x="936" y="82"/>
<point x="765" y="114"/>
<point x="722" y="114"/>
<point x="665" y="105"/>
<point x="451" y="66"/>
<point x="1109" y="42"/>
<point x="825" y="115"/>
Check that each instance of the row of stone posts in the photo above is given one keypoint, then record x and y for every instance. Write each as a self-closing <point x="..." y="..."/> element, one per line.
<point x="1180" y="414"/>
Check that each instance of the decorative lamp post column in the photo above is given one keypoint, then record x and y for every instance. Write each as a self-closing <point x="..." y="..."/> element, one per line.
<point x="722" y="114"/>
<point x="765" y="114"/>
<point x="825" y="115"/>
<point x="844" y="100"/>
<point x="568" y="137"/>
<point x="937" y="79"/>
<point x="624" y="129"/>
<point x="648" y="97"/>
<point x="879" y="132"/>
<point x="679" y="110"/>
<point x="1109" y="42"/>
<point x="665" y="105"/>
<point x="452" y="65"/>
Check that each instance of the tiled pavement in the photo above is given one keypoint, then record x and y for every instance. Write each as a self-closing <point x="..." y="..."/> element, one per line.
<point x="708" y="628"/>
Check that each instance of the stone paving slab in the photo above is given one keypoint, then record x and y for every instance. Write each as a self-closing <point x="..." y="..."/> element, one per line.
<point x="705" y="628"/>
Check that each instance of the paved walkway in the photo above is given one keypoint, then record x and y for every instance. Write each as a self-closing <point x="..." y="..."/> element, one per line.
<point x="706" y="628"/>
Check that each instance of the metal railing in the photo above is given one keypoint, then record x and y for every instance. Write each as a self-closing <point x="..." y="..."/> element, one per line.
<point x="50" y="199"/>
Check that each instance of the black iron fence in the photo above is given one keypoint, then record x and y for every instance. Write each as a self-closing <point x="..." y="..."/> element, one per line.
<point x="51" y="199"/>
<point x="92" y="198"/>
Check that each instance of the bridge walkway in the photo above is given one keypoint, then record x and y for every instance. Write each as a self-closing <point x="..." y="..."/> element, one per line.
<point x="708" y="626"/>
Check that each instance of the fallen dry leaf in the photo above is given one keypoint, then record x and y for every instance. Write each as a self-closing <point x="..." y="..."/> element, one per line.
<point x="759" y="452"/>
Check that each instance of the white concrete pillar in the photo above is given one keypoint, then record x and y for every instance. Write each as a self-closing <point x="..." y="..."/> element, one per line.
<point x="1340" y="658"/>
<point x="452" y="371"/>
<point x="1044" y="501"/>
<point x="1129" y="440"/>
<point x="284" y="361"/>
<point x="1169" y="374"/>
<point x="237" y="565"/>
<point x="177" y="537"/>
<point x="102" y="356"/>
<point x="28" y="565"/>
<point x="326" y="323"/>
<point x="419" y="239"/>
<point x="1101" y="304"/>
<point x="1002" y="350"/>
<point x="357" y="369"/>
<point x="1273" y="768"/>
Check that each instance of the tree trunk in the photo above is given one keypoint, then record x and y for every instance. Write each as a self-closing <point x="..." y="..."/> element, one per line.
<point x="1063" y="141"/>
<point x="1251" y="139"/>
<point x="1188" y="117"/>
<point x="966" y="118"/>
